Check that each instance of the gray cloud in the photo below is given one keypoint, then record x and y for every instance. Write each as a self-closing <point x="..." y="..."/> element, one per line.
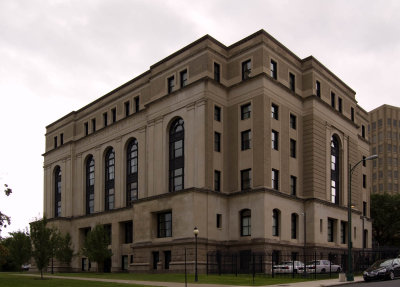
<point x="57" y="56"/>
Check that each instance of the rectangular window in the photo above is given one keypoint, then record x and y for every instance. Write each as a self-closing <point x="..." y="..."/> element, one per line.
<point x="293" y="148"/>
<point x="55" y="142"/>
<point x="93" y="125"/>
<point x="363" y="131"/>
<point x="217" y="180"/>
<point x="275" y="140"/>
<point x="108" y="232"/>
<point x="318" y="88"/>
<point x="364" y="208"/>
<point x="274" y="69"/>
<point x="364" y="181"/>
<point x="171" y="84"/>
<point x="219" y="220"/>
<point x="136" y="99"/>
<point x="275" y="179"/>
<point x="343" y="232"/>
<point x="245" y="111"/>
<point x="114" y="115"/>
<point x="86" y="126"/>
<point x="364" y="161"/>
<point x="217" y="141"/>
<point x="340" y="105"/>
<point x="217" y="75"/>
<point x="128" y="232"/>
<point x="276" y="257"/>
<point x="246" y="69"/>
<point x="183" y="79"/>
<point x="245" y="179"/>
<point x="333" y="100"/>
<point x="293" y="185"/>
<point x="292" y="82"/>
<point x="352" y="114"/>
<point x="217" y="113"/>
<point x="275" y="112"/>
<point x="331" y="224"/>
<point x="105" y="120"/>
<point x="126" y="109"/>
<point x="293" y="121"/>
<point x="246" y="139"/>
<point x="164" y="224"/>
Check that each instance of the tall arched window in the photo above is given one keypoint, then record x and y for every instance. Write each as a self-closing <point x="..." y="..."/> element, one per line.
<point x="176" y="155"/>
<point x="294" y="220"/>
<point x="365" y="238"/>
<point x="90" y="185"/>
<point x="275" y="222"/>
<point x="57" y="192"/>
<point x="109" y="179"/>
<point x="245" y="222"/>
<point x="335" y="170"/>
<point x="132" y="172"/>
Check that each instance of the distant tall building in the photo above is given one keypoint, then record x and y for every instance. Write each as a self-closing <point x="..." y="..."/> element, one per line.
<point x="248" y="143"/>
<point x="384" y="135"/>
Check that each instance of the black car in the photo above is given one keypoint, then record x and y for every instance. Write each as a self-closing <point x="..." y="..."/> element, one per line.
<point x="383" y="269"/>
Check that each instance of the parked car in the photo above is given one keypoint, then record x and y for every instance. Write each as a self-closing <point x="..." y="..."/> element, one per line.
<point x="321" y="266"/>
<point x="287" y="267"/>
<point x="383" y="269"/>
<point x="25" y="267"/>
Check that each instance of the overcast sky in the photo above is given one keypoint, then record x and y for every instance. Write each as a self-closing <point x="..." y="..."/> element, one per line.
<point x="57" y="56"/>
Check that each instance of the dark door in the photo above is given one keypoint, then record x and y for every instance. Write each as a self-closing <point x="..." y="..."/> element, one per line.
<point x="167" y="259"/>
<point x="156" y="258"/>
<point x="84" y="264"/>
<point x="245" y="259"/>
<point x="107" y="265"/>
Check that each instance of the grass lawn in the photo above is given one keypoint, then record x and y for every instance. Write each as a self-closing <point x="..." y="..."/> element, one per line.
<point x="226" y="279"/>
<point x="15" y="280"/>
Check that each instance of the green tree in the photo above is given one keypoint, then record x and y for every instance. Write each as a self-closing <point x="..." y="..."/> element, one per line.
<point x="61" y="248"/>
<point x="95" y="246"/>
<point x="5" y="219"/>
<point x="64" y="251"/>
<point x="20" y="248"/>
<point x="385" y="213"/>
<point x="41" y="241"/>
<point x="4" y="253"/>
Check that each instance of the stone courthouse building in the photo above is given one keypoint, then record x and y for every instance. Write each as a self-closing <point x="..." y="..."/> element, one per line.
<point x="248" y="143"/>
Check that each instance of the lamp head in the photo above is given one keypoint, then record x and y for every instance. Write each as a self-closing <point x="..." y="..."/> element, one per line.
<point x="195" y="231"/>
<point x="374" y="156"/>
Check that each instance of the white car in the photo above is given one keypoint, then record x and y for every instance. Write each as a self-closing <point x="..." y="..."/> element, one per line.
<point x="25" y="267"/>
<point x="322" y="266"/>
<point x="287" y="267"/>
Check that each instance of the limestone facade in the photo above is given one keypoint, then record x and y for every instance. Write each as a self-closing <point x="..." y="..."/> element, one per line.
<point x="250" y="165"/>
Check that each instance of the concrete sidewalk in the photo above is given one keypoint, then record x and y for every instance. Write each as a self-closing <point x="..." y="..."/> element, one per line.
<point x="316" y="283"/>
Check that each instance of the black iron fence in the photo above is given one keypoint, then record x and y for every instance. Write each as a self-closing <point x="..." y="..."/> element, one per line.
<point x="280" y="263"/>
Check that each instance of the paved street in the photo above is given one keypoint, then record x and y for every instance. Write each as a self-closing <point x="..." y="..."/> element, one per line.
<point x="376" y="284"/>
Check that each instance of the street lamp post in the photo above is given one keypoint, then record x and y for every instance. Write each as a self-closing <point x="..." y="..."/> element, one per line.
<point x="350" y="275"/>
<point x="195" y="232"/>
